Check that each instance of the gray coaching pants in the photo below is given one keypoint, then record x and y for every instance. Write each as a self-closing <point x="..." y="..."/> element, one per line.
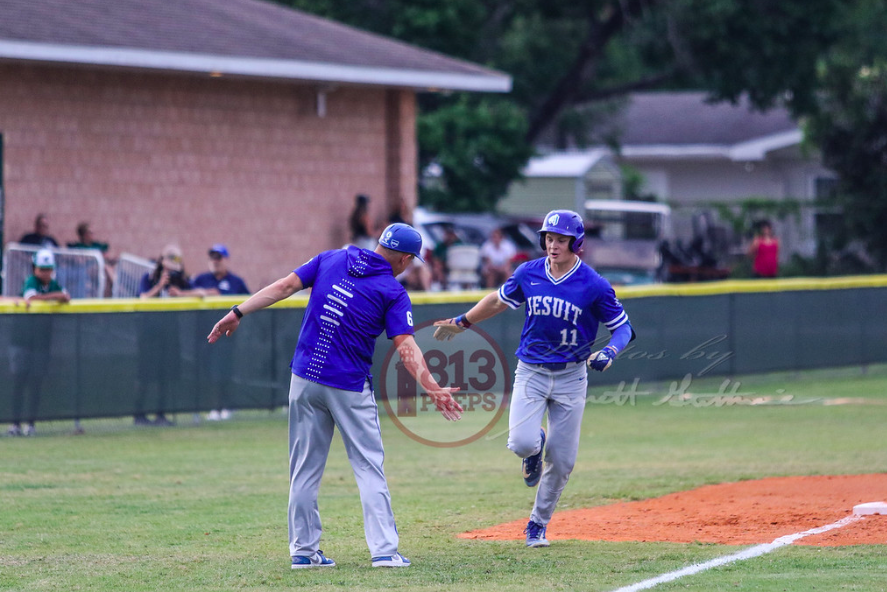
<point x="314" y="411"/>
<point x="562" y="394"/>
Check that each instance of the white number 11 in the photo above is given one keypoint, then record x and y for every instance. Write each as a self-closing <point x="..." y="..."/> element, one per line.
<point x="564" y="337"/>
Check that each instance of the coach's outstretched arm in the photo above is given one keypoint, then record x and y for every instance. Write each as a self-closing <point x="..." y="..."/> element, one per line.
<point x="279" y="290"/>
<point x="414" y="361"/>
<point x="488" y="307"/>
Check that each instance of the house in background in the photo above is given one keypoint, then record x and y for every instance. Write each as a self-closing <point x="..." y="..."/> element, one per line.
<point x="238" y="121"/>
<point x="564" y="181"/>
<point x="692" y="153"/>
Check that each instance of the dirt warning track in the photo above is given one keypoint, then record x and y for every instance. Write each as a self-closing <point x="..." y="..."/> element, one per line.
<point x="743" y="513"/>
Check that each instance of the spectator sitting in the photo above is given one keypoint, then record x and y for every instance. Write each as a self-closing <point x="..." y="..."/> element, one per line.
<point x="87" y="241"/>
<point x="218" y="280"/>
<point x="31" y="344"/>
<point x="439" y="270"/>
<point x="40" y="236"/>
<point x="496" y="254"/>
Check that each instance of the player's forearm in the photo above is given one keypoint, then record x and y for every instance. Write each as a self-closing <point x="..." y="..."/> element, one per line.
<point x="488" y="307"/>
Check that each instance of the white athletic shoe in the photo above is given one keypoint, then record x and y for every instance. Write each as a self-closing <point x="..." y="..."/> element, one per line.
<point x="213" y="415"/>
<point x="396" y="560"/>
<point x="225" y="414"/>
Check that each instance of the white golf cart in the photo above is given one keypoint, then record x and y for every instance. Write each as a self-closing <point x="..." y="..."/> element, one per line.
<point x="623" y="239"/>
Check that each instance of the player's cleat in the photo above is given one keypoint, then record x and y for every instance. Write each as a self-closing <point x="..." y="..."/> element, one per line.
<point x="396" y="560"/>
<point x="536" y="534"/>
<point x="29" y="430"/>
<point x="141" y="420"/>
<point x="316" y="560"/>
<point x="214" y="415"/>
<point x="14" y="430"/>
<point x="531" y="467"/>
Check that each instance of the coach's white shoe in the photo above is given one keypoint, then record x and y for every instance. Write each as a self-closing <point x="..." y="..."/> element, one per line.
<point x="316" y="560"/>
<point x="396" y="560"/>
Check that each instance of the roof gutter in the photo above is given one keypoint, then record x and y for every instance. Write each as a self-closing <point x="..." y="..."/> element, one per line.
<point x="281" y="69"/>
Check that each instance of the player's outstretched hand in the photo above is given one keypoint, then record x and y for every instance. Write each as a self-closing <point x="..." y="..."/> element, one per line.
<point x="603" y="359"/>
<point x="447" y="329"/>
<point x="446" y="404"/>
<point x="227" y="326"/>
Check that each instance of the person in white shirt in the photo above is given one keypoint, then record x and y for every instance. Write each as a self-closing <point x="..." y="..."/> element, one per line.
<point x="496" y="256"/>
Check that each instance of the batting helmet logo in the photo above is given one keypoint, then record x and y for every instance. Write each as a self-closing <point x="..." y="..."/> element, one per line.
<point x="564" y="222"/>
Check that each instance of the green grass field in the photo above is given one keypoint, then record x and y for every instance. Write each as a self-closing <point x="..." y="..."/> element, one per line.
<point x="203" y="507"/>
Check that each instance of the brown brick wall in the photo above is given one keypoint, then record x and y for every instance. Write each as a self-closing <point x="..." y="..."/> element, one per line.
<point x="151" y="159"/>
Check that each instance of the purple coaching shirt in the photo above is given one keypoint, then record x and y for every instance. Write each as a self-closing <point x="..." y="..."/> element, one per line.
<point x="354" y="298"/>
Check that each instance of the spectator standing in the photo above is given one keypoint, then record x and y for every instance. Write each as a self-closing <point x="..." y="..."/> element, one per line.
<point x="220" y="363"/>
<point x="496" y="254"/>
<point x="359" y="224"/>
<point x="40" y="236"/>
<point x="354" y="297"/>
<point x="159" y="349"/>
<point x="31" y="344"/>
<point x="764" y="252"/>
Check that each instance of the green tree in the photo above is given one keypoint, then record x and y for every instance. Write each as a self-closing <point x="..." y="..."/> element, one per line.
<point x="850" y="123"/>
<point x="566" y="54"/>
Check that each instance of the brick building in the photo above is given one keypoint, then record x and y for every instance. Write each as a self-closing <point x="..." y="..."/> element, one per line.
<point x="204" y="121"/>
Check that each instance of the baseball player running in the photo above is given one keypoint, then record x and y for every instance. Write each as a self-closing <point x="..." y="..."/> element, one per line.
<point x="355" y="297"/>
<point x="565" y="301"/>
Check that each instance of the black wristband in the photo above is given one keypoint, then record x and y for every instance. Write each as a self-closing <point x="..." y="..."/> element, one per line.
<point x="237" y="312"/>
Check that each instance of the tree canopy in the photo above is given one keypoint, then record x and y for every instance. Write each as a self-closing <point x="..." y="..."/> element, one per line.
<point x="565" y="55"/>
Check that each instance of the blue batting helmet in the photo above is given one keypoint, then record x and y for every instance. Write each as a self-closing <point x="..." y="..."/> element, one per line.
<point x="566" y="222"/>
<point x="403" y="238"/>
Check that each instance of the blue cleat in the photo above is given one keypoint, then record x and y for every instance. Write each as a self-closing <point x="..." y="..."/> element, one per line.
<point x="531" y="467"/>
<point x="316" y="560"/>
<point x="536" y="534"/>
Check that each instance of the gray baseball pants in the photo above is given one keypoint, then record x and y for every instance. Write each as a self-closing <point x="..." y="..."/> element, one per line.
<point x="562" y="394"/>
<point x="314" y="411"/>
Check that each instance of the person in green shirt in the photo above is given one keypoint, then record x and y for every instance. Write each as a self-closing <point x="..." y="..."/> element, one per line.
<point x="31" y="342"/>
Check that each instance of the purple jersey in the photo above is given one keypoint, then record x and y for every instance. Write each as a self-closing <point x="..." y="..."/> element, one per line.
<point x="562" y="315"/>
<point x="354" y="298"/>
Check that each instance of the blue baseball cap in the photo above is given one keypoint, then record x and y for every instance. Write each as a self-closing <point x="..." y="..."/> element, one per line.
<point x="402" y="238"/>
<point x="220" y="249"/>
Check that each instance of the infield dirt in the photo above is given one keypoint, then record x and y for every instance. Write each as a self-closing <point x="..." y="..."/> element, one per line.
<point x="742" y="513"/>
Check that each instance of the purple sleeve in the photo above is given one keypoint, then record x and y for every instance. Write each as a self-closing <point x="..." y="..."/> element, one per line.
<point x="399" y="316"/>
<point x="308" y="271"/>
<point x="511" y="292"/>
<point x="609" y="310"/>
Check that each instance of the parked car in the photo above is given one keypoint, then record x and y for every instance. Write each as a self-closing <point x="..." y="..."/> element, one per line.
<point x="474" y="229"/>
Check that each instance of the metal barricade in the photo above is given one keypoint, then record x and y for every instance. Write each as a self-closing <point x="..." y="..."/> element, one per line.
<point x="79" y="271"/>
<point x="130" y="269"/>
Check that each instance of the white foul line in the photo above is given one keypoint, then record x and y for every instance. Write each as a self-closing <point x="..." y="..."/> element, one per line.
<point x="749" y="553"/>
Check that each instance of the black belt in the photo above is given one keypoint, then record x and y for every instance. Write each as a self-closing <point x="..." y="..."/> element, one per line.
<point x="555" y="365"/>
